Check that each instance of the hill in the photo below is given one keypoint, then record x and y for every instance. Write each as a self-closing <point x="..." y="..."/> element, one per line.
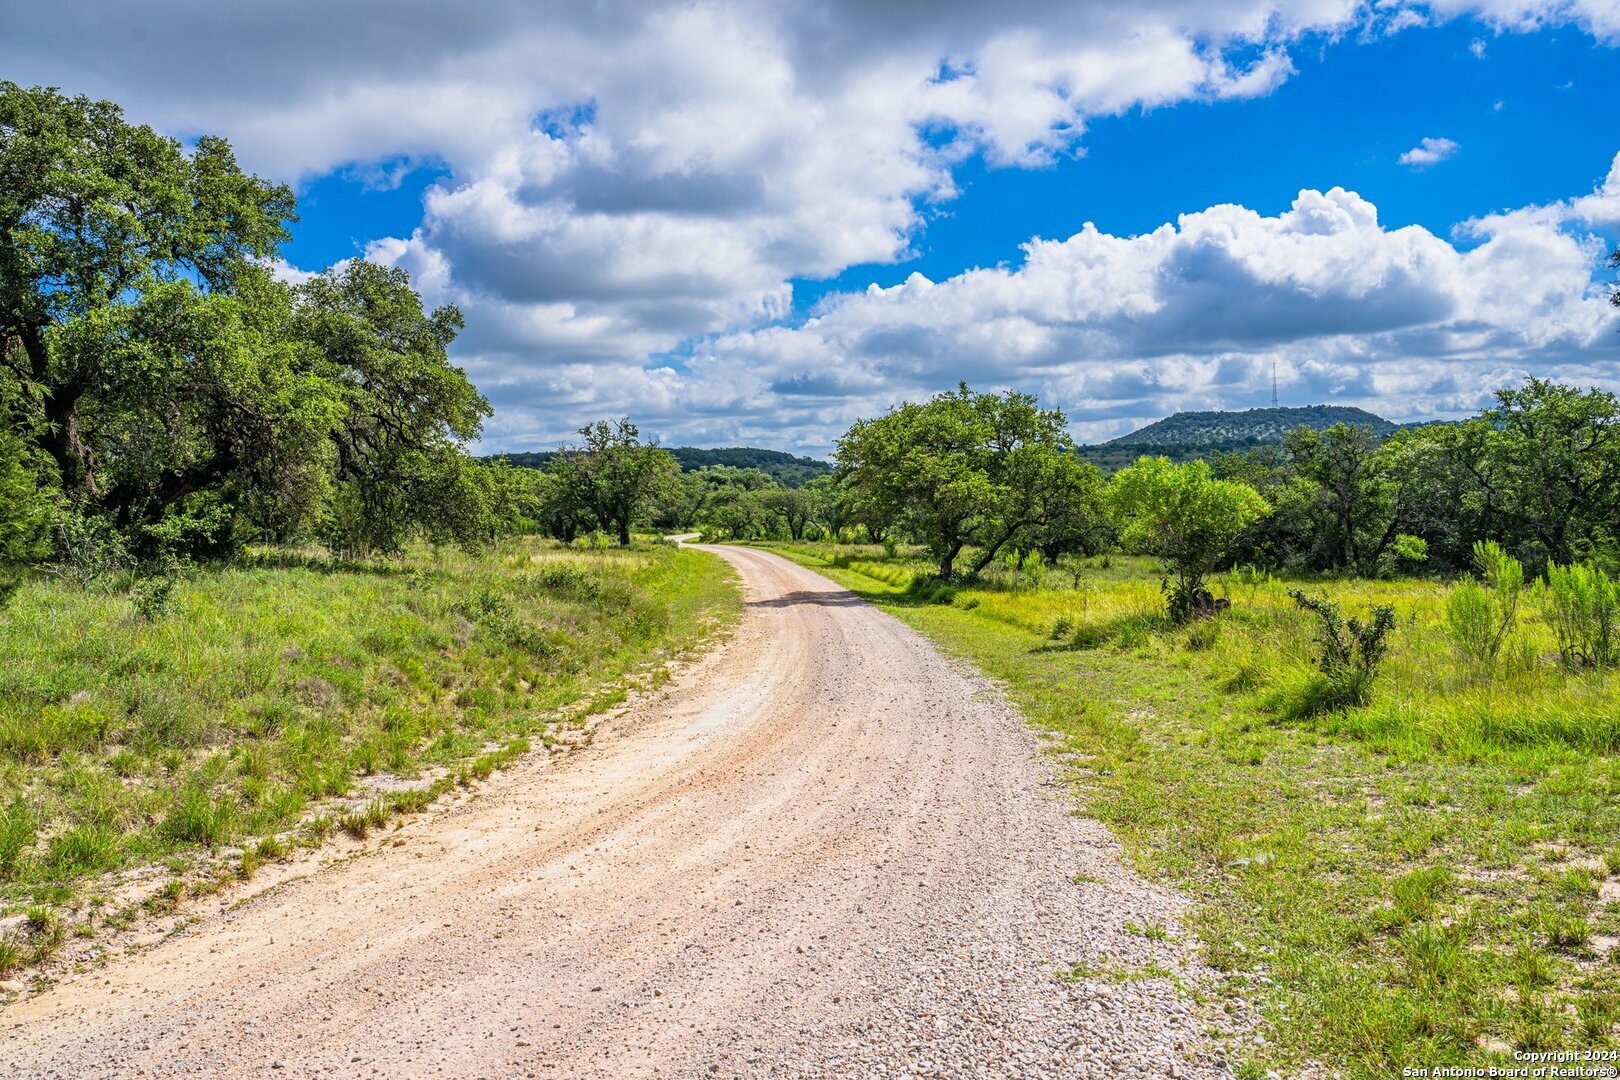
<point x="1188" y="435"/>
<point x="787" y="469"/>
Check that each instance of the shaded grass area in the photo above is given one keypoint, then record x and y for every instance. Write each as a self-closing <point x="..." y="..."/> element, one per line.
<point x="1431" y="879"/>
<point x="297" y="692"/>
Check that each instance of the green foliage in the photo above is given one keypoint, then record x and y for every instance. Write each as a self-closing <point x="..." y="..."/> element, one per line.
<point x="1478" y="621"/>
<point x="1581" y="604"/>
<point x="1350" y="652"/>
<point x="965" y="469"/>
<point x="1185" y="516"/>
<point x="177" y="395"/>
<point x="405" y="410"/>
<point x="613" y="477"/>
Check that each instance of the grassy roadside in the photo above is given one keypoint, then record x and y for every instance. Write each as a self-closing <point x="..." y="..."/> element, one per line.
<point x="270" y="704"/>
<point x="1431" y="879"/>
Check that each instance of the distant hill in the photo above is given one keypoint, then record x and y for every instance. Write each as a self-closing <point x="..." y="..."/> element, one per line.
<point x="787" y="469"/>
<point x="1188" y="435"/>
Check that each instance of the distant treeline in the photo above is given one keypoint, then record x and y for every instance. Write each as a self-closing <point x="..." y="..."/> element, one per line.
<point x="786" y="469"/>
<point x="1190" y="436"/>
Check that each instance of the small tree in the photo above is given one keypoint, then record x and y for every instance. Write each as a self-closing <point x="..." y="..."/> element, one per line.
<point x="615" y="474"/>
<point x="1186" y="517"/>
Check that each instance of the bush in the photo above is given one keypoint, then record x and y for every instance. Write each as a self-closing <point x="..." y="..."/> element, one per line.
<point x="1582" y="606"/>
<point x="1477" y="621"/>
<point x="87" y="549"/>
<point x="152" y="595"/>
<point x="1351" y="652"/>
<point x="1470" y="622"/>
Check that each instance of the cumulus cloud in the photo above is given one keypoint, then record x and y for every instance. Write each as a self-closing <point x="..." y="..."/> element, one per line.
<point x="1602" y="207"/>
<point x="1429" y="152"/>
<point x="630" y="186"/>
<point x="1119" y="330"/>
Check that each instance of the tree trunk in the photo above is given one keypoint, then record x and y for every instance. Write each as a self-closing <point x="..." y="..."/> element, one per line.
<point x="624" y="532"/>
<point x="948" y="561"/>
<point x="990" y="552"/>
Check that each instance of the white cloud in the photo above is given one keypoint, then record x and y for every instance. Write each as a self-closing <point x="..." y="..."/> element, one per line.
<point x="1477" y="47"/>
<point x="1602" y="207"/>
<point x="1118" y="330"/>
<point x="623" y="178"/>
<point x="1429" y="152"/>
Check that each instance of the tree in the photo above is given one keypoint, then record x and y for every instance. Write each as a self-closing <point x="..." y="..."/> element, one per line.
<point x="1352" y="500"/>
<point x="830" y="504"/>
<point x="402" y="411"/>
<point x="796" y="505"/>
<point x="959" y="469"/>
<point x="1556" y="454"/>
<point x="1073" y="517"/>
<point x="615" y="474"/>
<point x="117" y="251"/>
<point x="1185" y="516"/>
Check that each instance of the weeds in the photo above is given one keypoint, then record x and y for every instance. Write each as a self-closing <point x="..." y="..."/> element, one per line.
<point x="1581" y="604"/>
<point x="1350" y="653"/>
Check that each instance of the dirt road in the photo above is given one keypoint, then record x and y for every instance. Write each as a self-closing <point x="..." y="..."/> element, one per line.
<point x="824" y="851"/>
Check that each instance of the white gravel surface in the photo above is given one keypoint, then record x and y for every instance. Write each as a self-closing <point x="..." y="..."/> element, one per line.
<point x="824" y="851"/>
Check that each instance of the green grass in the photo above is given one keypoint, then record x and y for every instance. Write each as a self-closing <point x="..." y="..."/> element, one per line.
<point x="264" y="692"/>
<point x="1411" y="882"/>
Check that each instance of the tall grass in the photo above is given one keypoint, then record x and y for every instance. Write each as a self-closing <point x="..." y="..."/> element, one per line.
<point x="128" y="736"/>
<point x="1415" y="879"/>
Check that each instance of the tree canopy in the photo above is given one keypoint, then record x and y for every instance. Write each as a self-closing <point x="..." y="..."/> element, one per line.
<point x="613" y="475"/>
<point x="181" y="394"/>
<point x="1184" y="515"/>
<point x="964" y="468"/>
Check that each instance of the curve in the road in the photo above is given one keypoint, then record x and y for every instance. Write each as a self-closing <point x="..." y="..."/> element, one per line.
<point x="824" y="851"/>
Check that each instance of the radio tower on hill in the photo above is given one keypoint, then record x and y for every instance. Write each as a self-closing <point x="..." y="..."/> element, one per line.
<point x="1274" y="384"/>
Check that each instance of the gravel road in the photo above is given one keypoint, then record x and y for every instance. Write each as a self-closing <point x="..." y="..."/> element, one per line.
<point x="825" y="850"/>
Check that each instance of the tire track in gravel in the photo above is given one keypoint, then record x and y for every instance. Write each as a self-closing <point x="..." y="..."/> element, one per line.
<point x="824" y="850"/>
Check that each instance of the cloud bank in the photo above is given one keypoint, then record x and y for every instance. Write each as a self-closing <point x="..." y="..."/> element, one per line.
<point x="628" y="180"/>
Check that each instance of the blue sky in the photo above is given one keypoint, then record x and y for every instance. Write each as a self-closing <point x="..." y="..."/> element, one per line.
<point x="1344" y="119"/>
<point x="750" y="223"/>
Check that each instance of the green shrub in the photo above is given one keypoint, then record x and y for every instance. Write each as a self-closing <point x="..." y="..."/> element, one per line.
<point x="1478" y="620"/>
<point x="152" y="595"/>
<point x="1351" y="652"/>
<point x="1582" y="606"/>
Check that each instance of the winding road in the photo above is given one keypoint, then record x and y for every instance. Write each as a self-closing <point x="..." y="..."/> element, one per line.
<point x="824" y="850"/>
